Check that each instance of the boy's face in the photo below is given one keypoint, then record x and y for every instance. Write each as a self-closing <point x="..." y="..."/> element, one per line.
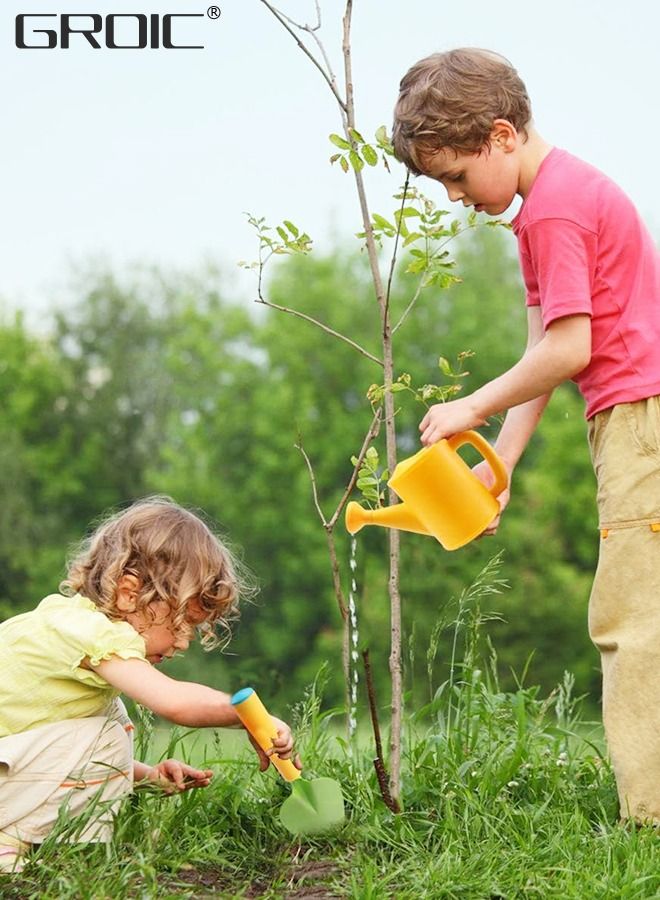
<point x="487" y="181"/>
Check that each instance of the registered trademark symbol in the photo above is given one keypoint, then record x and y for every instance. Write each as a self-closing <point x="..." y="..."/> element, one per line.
<point x="213" y="12"/>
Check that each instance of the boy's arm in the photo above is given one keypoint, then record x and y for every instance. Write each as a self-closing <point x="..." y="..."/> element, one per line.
<point x="518" y="426"/>
<point x="562" y="351"/>
<point x="521" y="421"/>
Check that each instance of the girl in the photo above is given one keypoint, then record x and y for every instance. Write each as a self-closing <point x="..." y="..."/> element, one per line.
<point x="137" y="591"/>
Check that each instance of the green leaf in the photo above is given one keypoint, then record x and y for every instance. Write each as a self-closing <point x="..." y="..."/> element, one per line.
<point x="381" y="135"/>
<point x="372" y="453"/>
<point x="343" y="162"/>
<point x="382" y="223"/>
<point x="370" y="155"/>
<point x="355" y="134"/>
<point x="356" y="161"/>
<point x="340" y="142"/>
<point x="416" y="267"/>
<point x="445" y="368"/>
<point x="292" y="228"/>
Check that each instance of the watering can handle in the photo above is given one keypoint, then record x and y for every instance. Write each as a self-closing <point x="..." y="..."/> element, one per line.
<point x="482" y="445"/>
<point x="256" y="719"/>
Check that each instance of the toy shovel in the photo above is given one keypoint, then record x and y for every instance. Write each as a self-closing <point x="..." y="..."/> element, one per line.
<point x="314" y="805"/>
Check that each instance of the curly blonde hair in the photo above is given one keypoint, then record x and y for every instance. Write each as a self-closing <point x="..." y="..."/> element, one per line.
<point x="451" y="99"/>
<point x="176" y="558"/>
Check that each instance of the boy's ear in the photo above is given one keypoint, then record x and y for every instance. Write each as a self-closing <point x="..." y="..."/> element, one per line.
<point x="128" y="588"/>
<point x="503" y="135"/>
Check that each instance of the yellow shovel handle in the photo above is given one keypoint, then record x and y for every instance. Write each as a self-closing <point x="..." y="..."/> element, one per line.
<point x="256" y="719"/>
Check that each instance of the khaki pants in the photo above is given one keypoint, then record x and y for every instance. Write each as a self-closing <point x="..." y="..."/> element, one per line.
<point x="624" y="609"/>
<point x="78" y="765"/>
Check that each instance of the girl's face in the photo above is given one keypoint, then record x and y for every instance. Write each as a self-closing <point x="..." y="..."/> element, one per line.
<point x="154" y="623"/>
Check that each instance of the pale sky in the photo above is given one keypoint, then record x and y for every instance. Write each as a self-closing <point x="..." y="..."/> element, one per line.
<point x="153" y="156"/>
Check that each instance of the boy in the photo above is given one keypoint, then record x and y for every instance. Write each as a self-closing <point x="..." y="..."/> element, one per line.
<point x="592" y="279"/>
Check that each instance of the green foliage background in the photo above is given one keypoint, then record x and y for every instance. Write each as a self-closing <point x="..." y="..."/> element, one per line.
<point x="161" y="383"/>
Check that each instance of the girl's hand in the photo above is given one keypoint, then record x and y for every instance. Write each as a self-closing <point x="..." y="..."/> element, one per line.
<point x="282" y="746"/>
<point x="174" y="776"/>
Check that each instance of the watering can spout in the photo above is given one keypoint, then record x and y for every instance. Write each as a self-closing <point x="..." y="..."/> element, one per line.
<point x="398" y="516"/>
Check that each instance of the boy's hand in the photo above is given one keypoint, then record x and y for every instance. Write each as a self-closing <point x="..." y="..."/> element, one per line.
<point x="485" y="474"/>
<point x="282" y="746"/>
<point x="174" y="776"/>
<point x="446" y="419"/>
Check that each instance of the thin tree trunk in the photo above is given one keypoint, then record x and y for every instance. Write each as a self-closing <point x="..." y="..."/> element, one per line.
<point x="390" y="431"/>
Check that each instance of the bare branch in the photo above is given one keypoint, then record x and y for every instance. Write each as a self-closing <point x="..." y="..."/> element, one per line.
<point x="311" y="31"/>
<point x="312" y="478"/>
<point x="334" y="562"/>
<point x="396" y="247"/>
<point x="328" y="78"/>
<point x="323" y="327"/>
<point x="408" y="308"/>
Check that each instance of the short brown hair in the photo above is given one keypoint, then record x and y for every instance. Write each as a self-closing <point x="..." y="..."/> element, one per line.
<point x="176" y="558"/>
<point x="451" y="100"/>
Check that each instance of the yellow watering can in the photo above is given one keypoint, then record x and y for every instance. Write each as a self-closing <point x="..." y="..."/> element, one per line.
<point x="441" y="495"/>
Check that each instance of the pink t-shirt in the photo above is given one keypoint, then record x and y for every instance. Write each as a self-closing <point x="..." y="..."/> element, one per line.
<point x="584" y="249"/>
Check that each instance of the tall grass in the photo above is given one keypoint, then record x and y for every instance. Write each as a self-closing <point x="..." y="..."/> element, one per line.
<point x="506" y="795"/>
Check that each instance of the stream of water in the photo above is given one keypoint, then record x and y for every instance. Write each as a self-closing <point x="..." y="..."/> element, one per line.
<point x="353" y="642"/>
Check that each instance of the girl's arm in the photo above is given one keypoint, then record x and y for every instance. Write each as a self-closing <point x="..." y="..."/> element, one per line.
<point x="560" y="353"/>
<point x="184" y="702"/>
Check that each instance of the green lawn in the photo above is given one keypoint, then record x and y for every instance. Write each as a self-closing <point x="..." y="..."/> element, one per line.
<point x="505" y="795"/>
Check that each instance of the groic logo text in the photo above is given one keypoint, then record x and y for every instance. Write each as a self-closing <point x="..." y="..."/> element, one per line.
<point x="138" y="31"/>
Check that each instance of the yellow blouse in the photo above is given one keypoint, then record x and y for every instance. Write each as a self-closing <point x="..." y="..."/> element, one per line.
<point x="41" y="680"/>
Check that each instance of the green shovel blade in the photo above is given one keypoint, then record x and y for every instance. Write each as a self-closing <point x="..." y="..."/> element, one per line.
<point x="313" y="806"/>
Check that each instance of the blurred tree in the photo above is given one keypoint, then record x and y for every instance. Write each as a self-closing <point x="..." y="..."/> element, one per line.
<point x="32" y="448"/>
<point x="161" y="384"/>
